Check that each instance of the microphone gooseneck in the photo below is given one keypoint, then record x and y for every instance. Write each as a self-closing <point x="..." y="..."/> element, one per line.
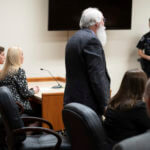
<point x="58" y="84"/>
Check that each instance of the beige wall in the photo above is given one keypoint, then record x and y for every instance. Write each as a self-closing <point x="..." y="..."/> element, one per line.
<point x="24" y="23"/>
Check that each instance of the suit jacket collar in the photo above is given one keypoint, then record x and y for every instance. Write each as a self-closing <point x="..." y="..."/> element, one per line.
<point x="89" y="30"/>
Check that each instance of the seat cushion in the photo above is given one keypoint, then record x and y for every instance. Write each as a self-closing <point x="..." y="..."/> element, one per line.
<point x="43" y="142"/>
<point x="65" y="145"/>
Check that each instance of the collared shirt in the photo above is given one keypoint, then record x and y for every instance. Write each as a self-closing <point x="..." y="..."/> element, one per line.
<point x="144" y="43"/>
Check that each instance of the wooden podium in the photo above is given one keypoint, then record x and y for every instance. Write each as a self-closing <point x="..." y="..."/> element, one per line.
<point x="51" y="99"/>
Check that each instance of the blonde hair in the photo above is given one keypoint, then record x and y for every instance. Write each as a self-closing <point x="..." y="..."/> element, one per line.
<point x="13" y="61"/>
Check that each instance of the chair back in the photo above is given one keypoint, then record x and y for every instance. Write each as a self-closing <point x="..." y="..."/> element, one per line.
<point x="10" y="116"/>
<point x="84" y="127"/>
<point x="138" y="142"/>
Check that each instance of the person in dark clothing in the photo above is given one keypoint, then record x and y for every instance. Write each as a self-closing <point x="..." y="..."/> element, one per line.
<point x="87" y="79"/>
<point x="126" y="113"/>
<point x="14" y="77"/>
<point x="139" y="142"/>
<point x="144" y="52"/>
<point x="2" y="131"/>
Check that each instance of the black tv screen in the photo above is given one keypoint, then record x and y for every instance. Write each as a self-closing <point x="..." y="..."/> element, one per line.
<point x="65" y="14"/>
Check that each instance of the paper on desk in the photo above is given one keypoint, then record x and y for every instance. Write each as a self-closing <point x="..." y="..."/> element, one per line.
<point x="44" y="89"/>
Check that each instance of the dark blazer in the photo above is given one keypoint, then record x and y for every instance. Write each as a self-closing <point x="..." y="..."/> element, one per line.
<point x="120" y="125"/>
<point x="87" y="80"/>
<point x="140" y="142"/>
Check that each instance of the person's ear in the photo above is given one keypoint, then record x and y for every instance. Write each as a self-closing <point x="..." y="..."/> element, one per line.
<point x="148" y="104"/>
<point x="97" y="25"/>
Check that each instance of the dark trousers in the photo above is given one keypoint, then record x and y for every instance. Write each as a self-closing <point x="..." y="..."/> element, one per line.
<point x="3" y="145"/>
<point x="145" y="65"/>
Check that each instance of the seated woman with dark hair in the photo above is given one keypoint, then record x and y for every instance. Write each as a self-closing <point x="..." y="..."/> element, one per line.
<point x="14" y="77"/>
<point x="2" y="55"/>
<point x="126" y="112"/>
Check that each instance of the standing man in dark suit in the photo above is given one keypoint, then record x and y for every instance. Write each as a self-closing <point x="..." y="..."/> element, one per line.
<point x="87" y="79"/>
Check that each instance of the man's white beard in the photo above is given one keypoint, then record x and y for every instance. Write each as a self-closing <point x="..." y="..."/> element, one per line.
<point x="101" y="35"/>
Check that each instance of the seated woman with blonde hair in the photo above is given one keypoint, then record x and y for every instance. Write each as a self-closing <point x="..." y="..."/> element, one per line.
<point x="126" y="113"/>
<point x="14" y="77"/>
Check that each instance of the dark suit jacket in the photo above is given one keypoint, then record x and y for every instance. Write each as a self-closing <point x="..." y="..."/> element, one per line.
<point x="122" y="124"/>
<point x="87" y="80"/>
<point x="140" y="142"/>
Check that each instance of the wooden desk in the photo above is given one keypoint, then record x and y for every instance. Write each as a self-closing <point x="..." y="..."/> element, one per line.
<point x="51" y="99"/>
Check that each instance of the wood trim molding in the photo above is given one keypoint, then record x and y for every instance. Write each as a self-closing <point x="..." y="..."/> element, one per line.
<point x="53" y="94"/>
<point x="38" y="79"/>
<point x="61" y="79"/>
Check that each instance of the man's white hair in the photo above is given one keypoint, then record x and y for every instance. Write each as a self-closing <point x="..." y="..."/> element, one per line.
<point x="90" y="17"/>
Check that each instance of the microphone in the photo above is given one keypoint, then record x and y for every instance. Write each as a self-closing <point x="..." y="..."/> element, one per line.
<point x="58" y="84"/>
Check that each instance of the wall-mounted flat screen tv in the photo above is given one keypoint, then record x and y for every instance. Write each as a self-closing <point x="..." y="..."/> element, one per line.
<point x="65" y="14"/>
